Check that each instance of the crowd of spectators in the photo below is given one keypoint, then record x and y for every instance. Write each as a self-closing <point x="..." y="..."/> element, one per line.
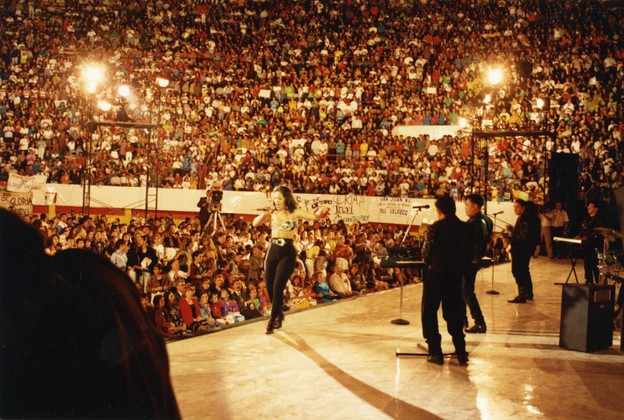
<point x="307" y="93"/>
<point x="193" y="281"/>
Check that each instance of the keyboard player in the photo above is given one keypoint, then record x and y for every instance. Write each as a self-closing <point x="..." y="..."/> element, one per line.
<point x="592" y="241"/>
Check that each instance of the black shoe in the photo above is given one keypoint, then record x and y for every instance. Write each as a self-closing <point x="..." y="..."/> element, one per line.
<point x="477" y="329"/>
<point x="277" y="324"/>
<point x="435" y="358"/>
<point x="518" y="299"/>
<point x="462" y="358"/>
<point x="270" y="326"/>
<point x="529" y="297"/>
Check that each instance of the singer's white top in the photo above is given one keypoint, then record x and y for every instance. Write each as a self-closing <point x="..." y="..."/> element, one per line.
<point x="282" y="223"/>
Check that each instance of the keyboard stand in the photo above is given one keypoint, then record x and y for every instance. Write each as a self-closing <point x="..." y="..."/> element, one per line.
<point x="573" y="258"/>
<point x="573" y="261"/>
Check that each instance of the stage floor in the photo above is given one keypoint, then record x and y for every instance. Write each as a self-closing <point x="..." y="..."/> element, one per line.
<point x="339" y="361"/>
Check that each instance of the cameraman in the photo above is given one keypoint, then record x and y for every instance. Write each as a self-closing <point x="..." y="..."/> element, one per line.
<point x="204" y="210"/>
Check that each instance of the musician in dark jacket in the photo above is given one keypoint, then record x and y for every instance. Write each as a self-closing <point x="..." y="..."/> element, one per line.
<point x="523" y="244"/>
<point x="480" y="229"/>
<point x="592" y="241"/>
<point x="445" y="256"/>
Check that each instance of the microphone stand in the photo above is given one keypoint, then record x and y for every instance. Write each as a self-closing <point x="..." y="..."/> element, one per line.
<point x="492" y="291"/>
<point x="400" y="320"/>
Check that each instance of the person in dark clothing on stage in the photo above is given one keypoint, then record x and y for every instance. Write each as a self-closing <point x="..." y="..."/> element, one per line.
<point x="280" y="261"/>
<point x="592" y="241"/>
<point x="480" y="228"/>
<point x="446" y="255"/>
<point x="523" y="243"/>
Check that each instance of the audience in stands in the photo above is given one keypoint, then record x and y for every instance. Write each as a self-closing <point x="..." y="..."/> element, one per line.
<point x="308" y="93"/>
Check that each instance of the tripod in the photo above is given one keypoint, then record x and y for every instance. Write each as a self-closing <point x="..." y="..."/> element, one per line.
<point x="211" y="225"/>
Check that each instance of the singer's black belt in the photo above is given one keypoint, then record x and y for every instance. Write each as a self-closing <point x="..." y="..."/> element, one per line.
<point x="281" y="241"/>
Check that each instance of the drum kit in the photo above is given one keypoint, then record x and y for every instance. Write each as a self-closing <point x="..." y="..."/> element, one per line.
<point x="610" y="267"/>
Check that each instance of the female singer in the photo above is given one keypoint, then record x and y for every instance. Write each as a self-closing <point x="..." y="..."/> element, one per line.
<point x="280" y="258"/>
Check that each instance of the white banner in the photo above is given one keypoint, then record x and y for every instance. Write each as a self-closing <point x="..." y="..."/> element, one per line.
<point x="18" y="202"/>
<point x="348" y="208"/>
<point x="25" y="183"/>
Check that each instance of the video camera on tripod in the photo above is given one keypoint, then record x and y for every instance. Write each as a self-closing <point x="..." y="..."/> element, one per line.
<point x="214" y="204"/>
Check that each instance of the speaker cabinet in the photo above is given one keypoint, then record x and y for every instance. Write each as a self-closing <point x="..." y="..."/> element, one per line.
<point x="587" y="317"/>
<point x="563" y="170"/>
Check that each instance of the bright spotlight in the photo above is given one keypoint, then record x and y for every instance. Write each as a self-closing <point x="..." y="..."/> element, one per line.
<point x="93" y="73"/>
<point x="123" y="91"/>
<point x="462" y="122"/>
<point x="91" y="87"/>
<point x="162" y="82"/>
<point x="495" y="75"/>
<point x="104" y="105"/>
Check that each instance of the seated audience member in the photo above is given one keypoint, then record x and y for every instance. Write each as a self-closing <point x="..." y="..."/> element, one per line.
<point x="259" y="302"/>
<point x="189" y="309"/>
<point x="250" y="310"/>
<point x="358" y="281"/>
<point x="206" y="313"/>
<point x="231" y="307"/>
<point x="109" y="362"/>
<point x="397" y="278"/>
<point x="322" y="290"/>
<point x="173" y="271"/>
<point x="171" y="309"/>
<point x="239" y="293"/>
<point x="340" y="283"/>
<point x="219" y="309"/>
<point x="300" y="296"/>
<point x="147" y="306"/>
<point x="372" y="283"/>
<point x="165" y="327"/>
<point x="120" y="257"/>
<point x="381" y="274"/>
<point x="342" y="253"/>
<point x="159" y="282"/>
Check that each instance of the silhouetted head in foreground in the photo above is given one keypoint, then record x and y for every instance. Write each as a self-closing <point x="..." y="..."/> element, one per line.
<point x="75" y="341"/>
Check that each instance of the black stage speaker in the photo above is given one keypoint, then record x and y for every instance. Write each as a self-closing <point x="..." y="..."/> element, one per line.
<point x="563" y="170"/>
<point x="587" y="317"/>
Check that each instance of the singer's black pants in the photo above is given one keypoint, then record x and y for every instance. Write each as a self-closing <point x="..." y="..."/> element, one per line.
<point x="279" y="265"/>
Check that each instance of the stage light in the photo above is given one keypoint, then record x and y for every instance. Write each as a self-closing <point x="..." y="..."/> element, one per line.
<point x="123" y="91"/>
<point x="104" y="105"/>
<point x="462" y="122"/>
<point x="495" y="75"/>
<point x="93" y="73"/>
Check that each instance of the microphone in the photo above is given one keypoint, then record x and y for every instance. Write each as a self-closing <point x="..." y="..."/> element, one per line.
<point x="420" y="206"/>
<point x="261" y="209"/>
<point x="497" y="213"/>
